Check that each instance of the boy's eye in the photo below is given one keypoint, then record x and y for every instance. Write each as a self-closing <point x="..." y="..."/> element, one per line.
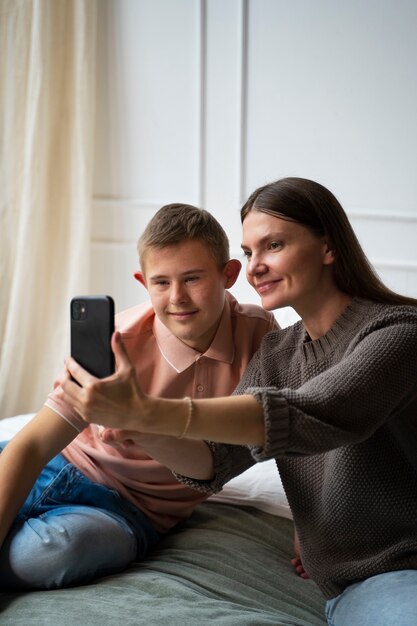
<point x="191" y="279"/>
<point x="247" y="254"/>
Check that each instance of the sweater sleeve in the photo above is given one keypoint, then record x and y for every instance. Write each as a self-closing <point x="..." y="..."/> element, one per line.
<point x="374" y="382"/>
<point x="229" y="461"/>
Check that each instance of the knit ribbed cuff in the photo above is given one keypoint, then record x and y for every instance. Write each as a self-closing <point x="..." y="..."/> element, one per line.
<point x="276" y="416"/>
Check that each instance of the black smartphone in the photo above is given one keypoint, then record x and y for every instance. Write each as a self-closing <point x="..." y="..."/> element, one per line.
<point x="92" y="325"/>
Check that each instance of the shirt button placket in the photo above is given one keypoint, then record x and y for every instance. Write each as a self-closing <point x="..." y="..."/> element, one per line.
<point x="199" y="385"/>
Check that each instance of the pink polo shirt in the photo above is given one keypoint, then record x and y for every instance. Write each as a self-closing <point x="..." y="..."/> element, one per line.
<point x="165" y="367"/>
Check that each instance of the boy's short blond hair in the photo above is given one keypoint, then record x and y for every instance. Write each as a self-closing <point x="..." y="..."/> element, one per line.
<point x="176" y="223"/>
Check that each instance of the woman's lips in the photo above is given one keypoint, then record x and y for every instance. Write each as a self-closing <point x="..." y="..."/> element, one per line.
<point x="267" y="285"/>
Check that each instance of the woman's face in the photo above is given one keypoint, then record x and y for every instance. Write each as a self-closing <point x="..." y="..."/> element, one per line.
<point x="287" y="264"/>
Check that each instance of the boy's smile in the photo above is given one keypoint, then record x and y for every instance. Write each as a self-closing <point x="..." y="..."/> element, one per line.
<point x="182" y="315"/>
<point x="187" y="290"/>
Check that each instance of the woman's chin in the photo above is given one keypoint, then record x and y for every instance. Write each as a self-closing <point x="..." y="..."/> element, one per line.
<point x="269" y="303"/>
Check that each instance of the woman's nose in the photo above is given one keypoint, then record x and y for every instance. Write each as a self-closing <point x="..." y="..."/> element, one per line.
<point x="256" y="266"/>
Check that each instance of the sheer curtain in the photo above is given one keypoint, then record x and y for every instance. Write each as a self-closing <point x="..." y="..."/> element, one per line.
<point x="47" y="88"/>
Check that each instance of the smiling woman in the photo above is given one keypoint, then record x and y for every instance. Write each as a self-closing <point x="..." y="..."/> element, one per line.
<point x="288" y="264"/>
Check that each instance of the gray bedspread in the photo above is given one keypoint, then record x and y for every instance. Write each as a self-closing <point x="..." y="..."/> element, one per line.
<point x="227" y="565"/>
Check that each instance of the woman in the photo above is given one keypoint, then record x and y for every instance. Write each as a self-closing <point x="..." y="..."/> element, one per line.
<point x="332" y="398"/>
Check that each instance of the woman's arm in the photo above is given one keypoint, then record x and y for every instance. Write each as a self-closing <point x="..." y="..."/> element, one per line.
<point x="119" y="402"/>
<point x="24" y="458"/>
<point x="344" y="404"/>
<point x="373" y="384"/>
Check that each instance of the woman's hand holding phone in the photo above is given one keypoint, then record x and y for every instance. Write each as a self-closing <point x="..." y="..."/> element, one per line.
<point x="114" y="401"/>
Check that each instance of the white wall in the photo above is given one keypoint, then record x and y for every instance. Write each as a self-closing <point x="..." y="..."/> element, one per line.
<point x="201" y="101"/>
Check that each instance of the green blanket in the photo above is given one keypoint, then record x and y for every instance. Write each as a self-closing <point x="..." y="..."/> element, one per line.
<point x="227" y="565"/>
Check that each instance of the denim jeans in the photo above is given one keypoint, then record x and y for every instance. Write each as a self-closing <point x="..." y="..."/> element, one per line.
<point x="70" y="531"/>
<point x="388" y="599"/>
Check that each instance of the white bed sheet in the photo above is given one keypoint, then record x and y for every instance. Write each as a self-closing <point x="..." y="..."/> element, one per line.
<point x="260" y="486"/>
<point x="11" y="425"/>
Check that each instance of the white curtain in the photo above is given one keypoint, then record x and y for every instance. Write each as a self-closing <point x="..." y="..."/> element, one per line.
<point x="47" y="89"/>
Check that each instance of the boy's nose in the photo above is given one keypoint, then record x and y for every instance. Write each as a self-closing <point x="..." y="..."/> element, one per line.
<point x="178" y="294"/>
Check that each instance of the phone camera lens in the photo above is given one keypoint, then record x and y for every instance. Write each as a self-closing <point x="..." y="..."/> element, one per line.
<point x="76" y="310"/>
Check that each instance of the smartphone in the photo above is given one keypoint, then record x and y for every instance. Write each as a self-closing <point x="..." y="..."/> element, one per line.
<point x="92" y="325"/>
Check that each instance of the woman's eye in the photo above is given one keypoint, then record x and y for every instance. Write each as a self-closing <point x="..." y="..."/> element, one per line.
<point x="247" y="254"/>
<point x="275" y="245"/>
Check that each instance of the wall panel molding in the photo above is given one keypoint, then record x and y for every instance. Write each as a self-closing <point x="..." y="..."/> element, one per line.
<point x="244" y="57"/>
<point x="121" y="220"/>
<point x="225" y="108"/>
<point x="389" y="216"/>
<point x="202" y="30"/>
<point x="366" y="214"/>
<point x="393" y="264"/>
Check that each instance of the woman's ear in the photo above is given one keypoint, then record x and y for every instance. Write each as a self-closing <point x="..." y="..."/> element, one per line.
<point x="329" y="254"/>
<point x="231" y="272"/>
<point x="140" y="277"/>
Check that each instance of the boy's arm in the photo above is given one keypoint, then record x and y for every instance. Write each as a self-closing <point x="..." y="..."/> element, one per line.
<point x="24" y="457"/>
<point x="183" y="456"/>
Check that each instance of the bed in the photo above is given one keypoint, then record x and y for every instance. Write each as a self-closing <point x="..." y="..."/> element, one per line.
<point x="229" y="564"/>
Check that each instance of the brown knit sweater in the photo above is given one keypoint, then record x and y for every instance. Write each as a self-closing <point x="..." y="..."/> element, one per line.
<point x="341" y="420"/>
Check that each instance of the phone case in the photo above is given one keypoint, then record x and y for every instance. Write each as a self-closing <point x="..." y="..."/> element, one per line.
<point x="92" y="325"/>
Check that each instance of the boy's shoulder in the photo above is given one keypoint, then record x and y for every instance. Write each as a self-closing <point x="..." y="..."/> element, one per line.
<point x="135" y="320"/>
<point x="251" y="312"/>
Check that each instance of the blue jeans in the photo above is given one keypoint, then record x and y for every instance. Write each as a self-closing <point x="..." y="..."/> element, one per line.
<point x="71" y="530"/>
<point x="388" y="599"/>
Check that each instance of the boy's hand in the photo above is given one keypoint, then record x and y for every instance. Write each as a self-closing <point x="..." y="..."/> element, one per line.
<point x="113" y="401"/>
<point x="123" y="438"/>
<point x="149" y="443"/>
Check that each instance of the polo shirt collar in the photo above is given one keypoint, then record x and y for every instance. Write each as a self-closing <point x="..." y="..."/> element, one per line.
<point x="180" y="356"/>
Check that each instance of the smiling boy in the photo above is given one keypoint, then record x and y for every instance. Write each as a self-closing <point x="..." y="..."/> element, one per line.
<point x="94" y="508"/>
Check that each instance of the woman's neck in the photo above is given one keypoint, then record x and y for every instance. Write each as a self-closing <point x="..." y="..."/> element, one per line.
<point x="320" y="318"/>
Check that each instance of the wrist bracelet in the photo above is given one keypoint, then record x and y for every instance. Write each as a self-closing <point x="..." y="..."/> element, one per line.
<point x="189" y="417"/>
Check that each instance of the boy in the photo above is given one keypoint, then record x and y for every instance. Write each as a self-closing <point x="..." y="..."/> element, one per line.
<point x="95" y="508"/>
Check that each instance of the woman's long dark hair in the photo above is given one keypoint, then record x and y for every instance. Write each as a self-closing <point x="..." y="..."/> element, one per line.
<point x="315" y="207"/>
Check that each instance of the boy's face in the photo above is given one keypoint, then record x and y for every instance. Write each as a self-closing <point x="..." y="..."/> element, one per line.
<point x="187" y="290"/>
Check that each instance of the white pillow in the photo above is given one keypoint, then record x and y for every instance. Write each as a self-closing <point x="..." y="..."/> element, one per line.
<point x="260" y="486"/>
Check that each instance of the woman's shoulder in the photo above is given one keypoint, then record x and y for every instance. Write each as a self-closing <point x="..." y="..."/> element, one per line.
<point x="391" y="313"/>
<point x="395" y="321"/>
<point x="360" y="318"/>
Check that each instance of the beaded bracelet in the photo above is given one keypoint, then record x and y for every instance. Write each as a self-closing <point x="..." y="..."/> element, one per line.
<point x="189" y="417"/>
